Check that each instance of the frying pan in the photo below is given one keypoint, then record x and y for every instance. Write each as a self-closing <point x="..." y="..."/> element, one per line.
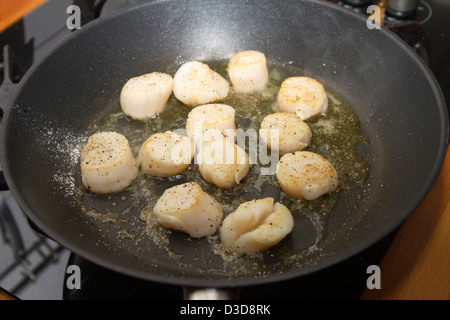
<point x="399" y="103"/>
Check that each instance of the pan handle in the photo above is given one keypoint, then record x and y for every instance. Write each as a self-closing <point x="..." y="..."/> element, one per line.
<point x="191" y="293"/>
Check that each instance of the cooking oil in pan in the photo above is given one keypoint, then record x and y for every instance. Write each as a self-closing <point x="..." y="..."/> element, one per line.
<point x="335" y="136"/>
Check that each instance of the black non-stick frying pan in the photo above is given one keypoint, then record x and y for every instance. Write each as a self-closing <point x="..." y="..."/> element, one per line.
<point x="399" y="104"/>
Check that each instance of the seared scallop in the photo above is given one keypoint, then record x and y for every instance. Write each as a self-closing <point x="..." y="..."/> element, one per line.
<point x="166" y="154"/>
<point x="256" y="226"/>
<point x="306" y="175"/>
<point x="187" y="208"/>
<point x="207" y="122"/>
<point x="248" y="71"/>
<point x="285" y="132"/>
<point x="304" y="96"/>
<point x="195" y="83"/>
<point x="223" y="163"/>
<point x="107" y="163"/>
<point x="146" y="96"/>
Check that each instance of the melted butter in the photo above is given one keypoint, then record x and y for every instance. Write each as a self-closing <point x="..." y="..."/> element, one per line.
<point x="335" y="136"/>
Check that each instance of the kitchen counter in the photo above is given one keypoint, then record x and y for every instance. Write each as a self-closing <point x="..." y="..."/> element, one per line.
<point x="417" y="264"/>
<point x="11" y="11"/>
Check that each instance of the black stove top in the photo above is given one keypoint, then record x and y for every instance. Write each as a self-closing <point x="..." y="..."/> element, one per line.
<point x="34" y="267"/>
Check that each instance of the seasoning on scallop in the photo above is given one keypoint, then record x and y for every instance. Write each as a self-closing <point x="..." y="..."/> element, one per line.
<point x="256" y="226"/>
<point x="187" y="208"/>
<point x="146" y="96"/>
<point x="285" y="132"/>
<point x="211" y="121"/>
<point x="166" y="154"/>
<point x="223" y="163"/>
<point x="248" y="71"/>
<point x="303" y="96"/>
<point x="107" y="163"/>
<point x="306" y="175"/>
<point x="195" y="83"/>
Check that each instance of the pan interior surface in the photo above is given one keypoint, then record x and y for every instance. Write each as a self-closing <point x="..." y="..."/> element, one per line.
<point x="399" y="105"/>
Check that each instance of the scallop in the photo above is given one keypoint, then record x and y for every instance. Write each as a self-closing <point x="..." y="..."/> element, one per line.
<point x="146" y="96"/>
<point x="303" y="96"/>
<point x="107" y="163"/>
<point x="166" y="154"/>
<point x="306" y="175"/>
<point x="187" y="208"/>
<point x="211" y="121"/>
<point x="223" y="163"/>
<point x="285" y="132"/>
<point x="256" y="226"/>
<point x="248" y="71"/>
<point x="195" y="83"/>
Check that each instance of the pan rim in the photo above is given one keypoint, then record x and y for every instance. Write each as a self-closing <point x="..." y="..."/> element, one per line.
<point x="23" y="203"/>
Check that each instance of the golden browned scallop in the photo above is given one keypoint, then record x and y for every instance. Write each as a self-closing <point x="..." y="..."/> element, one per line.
<point x="166" y="154"/>
<point x="256" y="226"/>
<point x="187" y="208"/>
<point x="209" y="122"/>
<point x="195" y="83"/>
<point x="285" y="132"/>
<point x="223" y="163"/>
<point x="306" y="175"/>
<point x="248" y="71"/>
<point x="303" y="96"/>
